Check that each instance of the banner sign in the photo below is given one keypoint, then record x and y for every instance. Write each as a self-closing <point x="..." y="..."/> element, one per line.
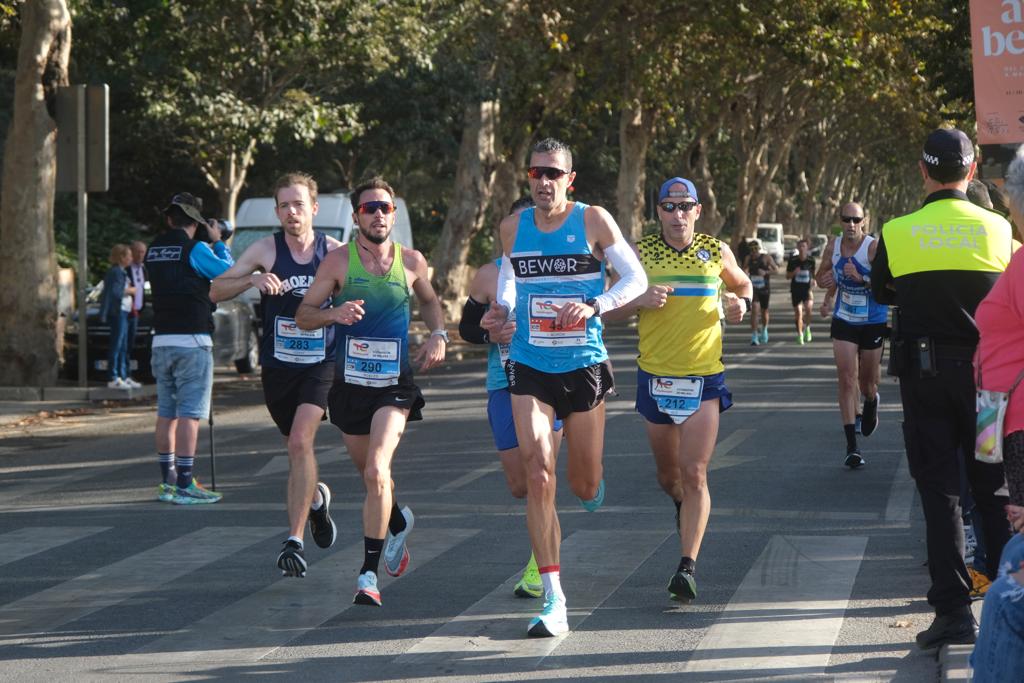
<point x="997" y="40"/>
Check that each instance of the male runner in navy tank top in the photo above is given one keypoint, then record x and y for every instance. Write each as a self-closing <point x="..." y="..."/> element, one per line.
<point x="297" y="366"/>
<point x="552" y="275"/>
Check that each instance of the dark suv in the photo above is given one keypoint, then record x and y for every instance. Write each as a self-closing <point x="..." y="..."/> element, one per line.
<point x="235" y="339"/>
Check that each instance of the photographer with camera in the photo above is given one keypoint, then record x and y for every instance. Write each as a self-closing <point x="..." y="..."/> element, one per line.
<point x="181" y="262"/>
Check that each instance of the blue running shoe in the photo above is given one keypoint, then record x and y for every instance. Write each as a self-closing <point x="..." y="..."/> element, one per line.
<point x="396" y="554"/>
<point x="596" y="502"/>
<point x="552" y="620"/>
<point x="366" y="590"/>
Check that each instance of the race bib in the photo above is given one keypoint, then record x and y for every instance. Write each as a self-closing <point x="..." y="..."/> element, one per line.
<point x="677" y="397"/>
<point x="853" y="307"/>
<point x="757" y="281"/>
<point x="293" y="345"/>
<point x="803" y="277"/>
<point x="542" y="322"/>
<point x="372" y="362"/>
<point x="504" y="349"/>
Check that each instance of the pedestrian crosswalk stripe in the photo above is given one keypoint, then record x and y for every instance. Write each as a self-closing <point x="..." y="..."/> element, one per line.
<point x="594" y="565"/>
<point x="30" y="541"/>
<point x="786" y="614"/>
<point x="260" y="623"/>
<point x="115" y="583"/>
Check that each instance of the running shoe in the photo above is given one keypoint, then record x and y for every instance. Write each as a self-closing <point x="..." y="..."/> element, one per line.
<point x="764" y="335"/>
<point x="979" y="583"/>
<point x="291" y="561"/>
<point x="683" y="586"/>
<point x="800" y="339"/>
<point x="807" y="334"/>
<point x="869" y="420"/>
<point x="321" y="526"/>
<point x="530" y="585"/>
<point x="165" y="492"/>
<point x="552" y="620"/>
<point x="194" y="495"/>
<point x="116" y="383"/>
<point x="854" y="459"/>
<point x="396" y="554"/>
<point x="596" y="502"/>
<point x="366" y="590"/>
<point x="755" y="339"/>
<point x="132" y="384"/>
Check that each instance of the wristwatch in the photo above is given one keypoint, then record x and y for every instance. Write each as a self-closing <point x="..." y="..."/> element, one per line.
<point x="443" y="334"/>
<point x="750" y="304"/>
<point x="593" y="304"/>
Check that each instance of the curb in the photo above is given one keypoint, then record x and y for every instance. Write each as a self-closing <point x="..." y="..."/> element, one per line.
<point x="97" y="393"/>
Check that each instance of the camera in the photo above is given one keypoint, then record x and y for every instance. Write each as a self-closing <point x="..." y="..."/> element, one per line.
<point x="203" y="233"/>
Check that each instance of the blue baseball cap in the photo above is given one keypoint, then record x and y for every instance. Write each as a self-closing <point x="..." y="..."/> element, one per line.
<point x="690" y="191"/>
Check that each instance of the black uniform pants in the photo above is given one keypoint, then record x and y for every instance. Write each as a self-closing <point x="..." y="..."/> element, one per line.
<point x="939" y="429"/>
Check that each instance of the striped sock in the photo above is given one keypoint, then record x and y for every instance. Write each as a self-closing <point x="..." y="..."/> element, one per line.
<point x="184" y="471"/>
<point x="167" y="470"/>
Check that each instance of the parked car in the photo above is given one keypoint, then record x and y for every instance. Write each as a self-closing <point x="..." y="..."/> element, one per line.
<point x="818" y="243"/>
<point x="789" y="246"/>
<point x="770" y="237"/>
<point x="235" y="339"/>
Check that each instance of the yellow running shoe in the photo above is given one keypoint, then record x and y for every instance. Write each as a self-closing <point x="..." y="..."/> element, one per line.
<point x="530" y="585"/>
<point x="979" y="583"/>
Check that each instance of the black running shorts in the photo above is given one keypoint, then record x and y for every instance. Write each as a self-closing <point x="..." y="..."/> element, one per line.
<point x="285" y="389"/>
<point x="799" y="293"/>
<point x="867" y="337"/>
<point x="761" y="296"/>
<point x="576" y="391"/>
<point x="353" y="406"/>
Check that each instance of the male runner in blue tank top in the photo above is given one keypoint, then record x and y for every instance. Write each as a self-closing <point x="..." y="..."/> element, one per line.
<point x="482" y="291"/>
<point x="552" y="276"/>
<point x="297" y="367"/>
<point x="859" y="325"/>
<point x="374" y="394"/>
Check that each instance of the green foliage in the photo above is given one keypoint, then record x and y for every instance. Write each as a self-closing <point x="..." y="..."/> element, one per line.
<point x="107" y="225"/>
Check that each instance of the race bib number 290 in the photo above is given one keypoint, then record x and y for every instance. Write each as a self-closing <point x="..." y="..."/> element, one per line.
<point x="372" y="362"/>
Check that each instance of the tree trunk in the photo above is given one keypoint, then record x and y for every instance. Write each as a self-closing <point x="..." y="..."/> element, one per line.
<point x="508" y="185"/>
<point x="229" y="179"/>
<point x="28" y="281"/>
<point x="474" y="183"/>
<point x="636" y="126"/>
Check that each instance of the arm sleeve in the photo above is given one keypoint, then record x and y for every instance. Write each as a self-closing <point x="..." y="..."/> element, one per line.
<point x="469" y="326"/>
<point x="210" y="263"/>
<point x="881" y="276"/>
<point x="632" y="281"/>
<point x="507" y="285"/>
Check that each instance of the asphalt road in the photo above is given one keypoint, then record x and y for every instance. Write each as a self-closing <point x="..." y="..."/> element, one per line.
<point x="808" y="571"/>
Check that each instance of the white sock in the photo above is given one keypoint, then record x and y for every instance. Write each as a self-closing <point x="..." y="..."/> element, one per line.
<point x="552" y="584"/>
<point x="297" y="540"/>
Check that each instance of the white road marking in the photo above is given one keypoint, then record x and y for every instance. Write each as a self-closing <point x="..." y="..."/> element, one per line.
<point x="31" y="540"/>
<point x="901" y="494"/>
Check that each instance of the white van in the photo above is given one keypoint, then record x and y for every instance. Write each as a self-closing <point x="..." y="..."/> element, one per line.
<point x="770" y="236"/>
<point x="256" y="219"/>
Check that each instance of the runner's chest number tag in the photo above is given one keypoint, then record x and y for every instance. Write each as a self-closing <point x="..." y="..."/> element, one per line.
<point x="677" y="397"/>
<point x="803" y="276"/>
<point x="543" y="331"/>
<point x="757" y="281"/>
<point x="853" y="307"/>
<point x="372" y="362"/>
<point x="506" y="348"/>
<point x="293" y="345"/>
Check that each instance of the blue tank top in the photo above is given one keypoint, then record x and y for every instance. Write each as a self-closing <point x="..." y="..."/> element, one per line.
<point x="283" y="344"/>
<point x="854" y="302"/>
<point x="497" y="354"/>
<point x="374" y="352"/>
<point x="555" y="268"/>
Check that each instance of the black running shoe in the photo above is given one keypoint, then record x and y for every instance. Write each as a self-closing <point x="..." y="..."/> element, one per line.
<point x="950" y="629"/>
<point x="854" y="459"/>
<point x="291" y="561"/>
<point x="869" y="421"/>
<point x="683" y="586"/>
<point x="320" y="523"/>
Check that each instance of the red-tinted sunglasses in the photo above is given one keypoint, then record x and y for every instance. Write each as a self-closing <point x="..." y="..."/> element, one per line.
<point x="373" y="207"/>
<point x="549" y="172"/>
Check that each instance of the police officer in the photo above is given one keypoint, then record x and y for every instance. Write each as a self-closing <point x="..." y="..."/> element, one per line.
<point x="181" y="263"/>
<point x="937" y="264"/>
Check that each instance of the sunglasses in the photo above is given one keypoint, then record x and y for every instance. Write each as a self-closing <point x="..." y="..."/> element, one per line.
<point x="374" y="207"/>
<point x="537" y="172"/>
<point x="852" y="219"/>
<point x="672" y="207"/>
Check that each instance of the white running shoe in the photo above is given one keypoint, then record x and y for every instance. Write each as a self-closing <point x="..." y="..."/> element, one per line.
<point x="396" y="555"/>
<point x="117" y="383"/>
<point x="552" y="620"/>
<point x="132" y="384"/>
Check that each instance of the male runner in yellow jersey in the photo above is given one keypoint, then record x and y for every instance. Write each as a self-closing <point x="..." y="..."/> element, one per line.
<point x="681" y="380"/>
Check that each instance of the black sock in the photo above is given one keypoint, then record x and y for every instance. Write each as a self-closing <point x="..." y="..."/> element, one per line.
<point x="687" y="564"/>
<point x="371" y="554"/>
<point x="396" y="523"/>
<point x="851" y="437"/>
